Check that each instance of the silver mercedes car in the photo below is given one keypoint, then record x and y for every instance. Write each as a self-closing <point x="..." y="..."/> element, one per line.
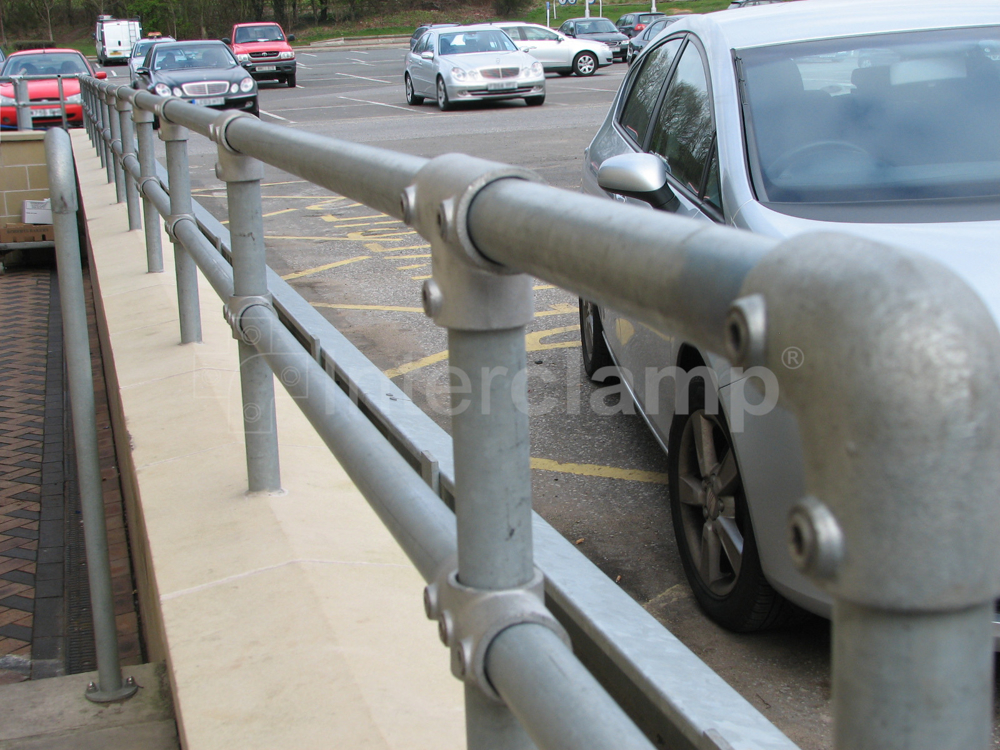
<point x="873" y="118"/>
<point x="471" y="63"/>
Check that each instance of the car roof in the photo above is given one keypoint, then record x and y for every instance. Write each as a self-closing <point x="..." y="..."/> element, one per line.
<point x="191" y="43"/>
<point x="42" y="52"/>
<point x="778" y="23"/>
<point x="253" y="23"/>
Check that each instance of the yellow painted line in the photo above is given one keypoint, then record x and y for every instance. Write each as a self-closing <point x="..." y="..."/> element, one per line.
<point x="289" y="182"/>
<point x="380" y="308"/>
<point x="419" y="278"/>
<point x="363" y="236"/>
<point x="326" y="203"/>
<point x="268" y="197"/>
<point x="367" y="224"/>
<point x="400" y="249"/>
<point x="562" y="308"/>
<point x="331" y="217"/>
<point x="416" y="365"/>
<point x="407" y="257"/>
<point x="594" y="470"/>
<point x="410" y="268"/>
<point x="297" y="237"/>
<point x="282" y="211"/>
<point x="533" y="343"/>
<point x="543" y="286"/>
<point x="327" y="267"/>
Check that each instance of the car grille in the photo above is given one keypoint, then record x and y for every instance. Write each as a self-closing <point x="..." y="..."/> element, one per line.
<point x="262" y="55"/>
<point x="520" y="90"/>
<point x="205" y="88"/>
<point x="499" y="72"/>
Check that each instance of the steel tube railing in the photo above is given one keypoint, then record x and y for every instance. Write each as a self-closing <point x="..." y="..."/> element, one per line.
<point x="124" y="111"/>
<point x="116" y="145"/>
<point x="62" y="188"/>
<point x="749" y="298"/>
<point x="147" y="171"/>
<point x="23" y="104"/>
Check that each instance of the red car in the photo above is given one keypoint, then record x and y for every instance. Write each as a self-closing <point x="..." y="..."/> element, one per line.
<point x="264" y="50"/>
<point x="44" y="94"/>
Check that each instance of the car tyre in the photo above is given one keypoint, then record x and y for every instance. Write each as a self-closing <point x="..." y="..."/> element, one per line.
<point x="712" y="525"/>
<point x="585" y="64"/>
<point x="411" y="97"/>
<point x="596" y="355"/>
<point x="290" y="81"/>
<point x="444" y="103"/>
<point x="535" y="101"/>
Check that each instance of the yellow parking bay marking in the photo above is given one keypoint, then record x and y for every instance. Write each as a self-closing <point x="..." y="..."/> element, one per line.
<point x="410" y="268"/>
<point x="367" y="224"/>
<point x="419" y="278"/>
<point x="375" y="247"/>
<point x="380" y="308"/>
<point x="533" y="343"/>
<point x="327" y="267"/>
<point x="594" y="470"/>
<point x="563" y="308"/>
<point x="543" y="286"/>
<point x="331" y="217"/>
<point x="407" y="257"/>
<point x="282" y="211"/>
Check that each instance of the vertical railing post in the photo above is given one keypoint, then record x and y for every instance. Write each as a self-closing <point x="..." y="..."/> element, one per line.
<point x="23" y="103"/>
<point x="124" y="107"/>
<point x="116" y="139"/>
<point x="62" y="101"/>
<point x="62" y="182"/>
<point x="485" y="314"/>
<point x="178" y="173"/>
<point x="85" y="95"/>
<point x="106" y="137"/>
<point x="143" y="120"/>
<point x="242" y="176"/>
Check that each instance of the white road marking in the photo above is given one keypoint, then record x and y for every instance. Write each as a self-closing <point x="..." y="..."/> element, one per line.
<point x="360" y="62"/>
<point x="364" y="78"/>
<point x="299" y="86"/>
<point x="381" y="104"/>
<point x="304" y="67"/>
<point x="307" y="54"/>
<point x="113" y="73"/>
<point x="277" y="117"/>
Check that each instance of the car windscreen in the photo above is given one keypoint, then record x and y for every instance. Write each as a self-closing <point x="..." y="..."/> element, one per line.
<point x="909" y="117"/>
<point x="56" y="63"/>
<point x="268" y="33"/>
<point x="194" y="56"/>
<point x="595" y="27"/>
<point x="465" y="42"/>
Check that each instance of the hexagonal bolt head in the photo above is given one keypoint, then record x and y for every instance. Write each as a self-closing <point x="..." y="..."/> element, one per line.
<point x="815" y="540"/>
<point x="432" y="298"/>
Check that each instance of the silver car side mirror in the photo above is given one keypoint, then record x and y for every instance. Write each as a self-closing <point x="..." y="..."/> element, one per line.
<point x="427" y="55"/>
<point x="641" y="176"/>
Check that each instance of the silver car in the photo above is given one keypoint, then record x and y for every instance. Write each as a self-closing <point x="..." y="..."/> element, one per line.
<point x="139" y="50"/>
<point x="471" y="63"/>
<point x="557" y="52"/>
<point x="877" y="119"/>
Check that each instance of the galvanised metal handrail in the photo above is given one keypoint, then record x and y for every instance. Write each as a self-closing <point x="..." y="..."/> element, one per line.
<point x="904" y="544"/>
<point x="23" y="102"/>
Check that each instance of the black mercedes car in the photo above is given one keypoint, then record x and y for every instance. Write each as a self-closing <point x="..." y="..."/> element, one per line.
<point x="203" y="72"/>
<point x="597" y="30"/>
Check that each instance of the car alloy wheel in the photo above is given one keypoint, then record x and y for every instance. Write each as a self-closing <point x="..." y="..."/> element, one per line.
<point x="585" y="64"/>
<point x="411" y="97"/>
<point x="593" y="346"/>
<point x="442" y="96"/>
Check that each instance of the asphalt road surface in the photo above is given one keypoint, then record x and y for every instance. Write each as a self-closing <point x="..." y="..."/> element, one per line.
<point x="599" y="477"/>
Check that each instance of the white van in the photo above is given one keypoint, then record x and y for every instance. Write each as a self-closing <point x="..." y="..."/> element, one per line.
<point x="115" y="37"/>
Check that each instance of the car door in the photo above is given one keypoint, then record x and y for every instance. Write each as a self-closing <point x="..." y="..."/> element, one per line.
<point x="546" y="46"/>
<point x="421" y="70"/>
<point x="682" y="132"/>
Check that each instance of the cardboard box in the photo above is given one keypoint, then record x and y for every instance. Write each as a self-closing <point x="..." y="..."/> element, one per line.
<point x="26" y="233"/>
<point x="37" y="212"/>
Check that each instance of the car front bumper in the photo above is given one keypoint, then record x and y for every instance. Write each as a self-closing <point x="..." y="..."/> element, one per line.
<point x="468" y="91"/>
<point x="269" y="70"/>
<point x="52" y="116"/>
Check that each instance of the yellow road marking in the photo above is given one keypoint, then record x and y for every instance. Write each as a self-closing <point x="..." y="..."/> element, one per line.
<point x="411" y="247"/>
<point x="270" y="197"/>
<point x="297" y="237"/>
<point x="410" y="268"/>
<point x="562" y="308"/>
<point x="407" y="257"/>
<point x="543" y="286"/>
<point x="593" y="470"/>
<point x="328" y="266"/>
<point x="383" y="308"/>
<point x="282" y="211"/>
<point x="416" y="365"/>
<point x="367" y="224"/>
<point x="331" y="217"/>
<point x="532" y="342"/>
<point x="363" y="236"/>
<point x="419" y="278"/>
<point x="326" y="203"/>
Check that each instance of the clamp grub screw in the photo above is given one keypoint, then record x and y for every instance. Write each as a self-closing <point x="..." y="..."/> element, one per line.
<point x="408" y="203"/>
<point x="815" y="540"/>
<point x="432" y="298"/>
<point x="746" y="328"/>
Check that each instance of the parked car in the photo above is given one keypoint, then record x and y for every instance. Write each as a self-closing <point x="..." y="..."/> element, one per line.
<point x="648" y="34"/>
<point x="203" y="72"/>
<point x="264" y="50"/>
<point x="139" y="50"/>
<point x="557" y="52"/>
<point x="597" y="30"/>
<point x="471" y="63"/>
<point x="783" y="143"/>
<point x="44" y="93"/>
<point x="632" y="23"/>
<point x="114" y="38"/>
<point x="421" y="30"/>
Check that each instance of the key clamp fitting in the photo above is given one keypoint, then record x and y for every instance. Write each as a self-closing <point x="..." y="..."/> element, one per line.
<point x="469" y="619"/>
<point x="233" y="312"/>
<point x="170" y="223"/>
<point x="217" y="129"/>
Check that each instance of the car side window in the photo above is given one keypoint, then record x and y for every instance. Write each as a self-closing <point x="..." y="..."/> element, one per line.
<point x="566" y="28"/>
<point x="422" y="44"/>
<point x="646" y="87"/>
<point x="514" y="32"/>
<point x="684" y="133"/>
<point x="538" y="35"/>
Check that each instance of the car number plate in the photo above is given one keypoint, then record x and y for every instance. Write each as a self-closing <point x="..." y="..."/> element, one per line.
<point x="501" y="85"/>
<point x="56" y="112"/>
<point x="265" y="68"/>
<point x="212" y="101"/>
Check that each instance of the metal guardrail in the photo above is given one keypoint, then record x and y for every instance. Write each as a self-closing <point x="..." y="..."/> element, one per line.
<point x="23" y="103"/>
<point x="898" y="409"/>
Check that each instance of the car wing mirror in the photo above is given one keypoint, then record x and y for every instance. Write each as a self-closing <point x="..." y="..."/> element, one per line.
<point x="100" y="75"/>
<point x="226" y="40"/>
<point x="427" y="55"/>
<point x="142" y="70"/>
<point x="291" y="37"/>
<point x="640" y="176"/>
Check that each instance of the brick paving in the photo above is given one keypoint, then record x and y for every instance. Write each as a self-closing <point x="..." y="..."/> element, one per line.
<point x="45" y="625"/>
